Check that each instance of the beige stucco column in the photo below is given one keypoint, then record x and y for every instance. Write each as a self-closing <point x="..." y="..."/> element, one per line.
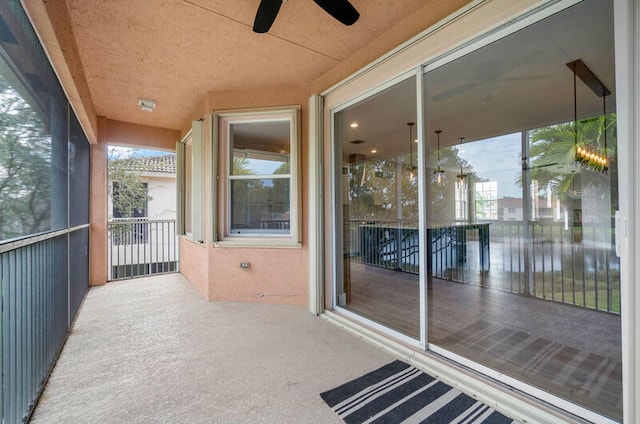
<point x="98" y="209"/>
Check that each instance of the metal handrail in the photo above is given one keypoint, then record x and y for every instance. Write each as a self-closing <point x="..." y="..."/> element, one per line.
<point x="17" y="243"/>
<point x="141" y="246"/>
<point x="574" y="265"/>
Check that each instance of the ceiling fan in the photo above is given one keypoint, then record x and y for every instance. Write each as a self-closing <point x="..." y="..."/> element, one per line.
<point x="489" y="75"/>
<point x="341" y="10"/>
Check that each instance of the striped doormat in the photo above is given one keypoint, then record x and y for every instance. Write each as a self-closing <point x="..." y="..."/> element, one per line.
<point x="400" y="393"/>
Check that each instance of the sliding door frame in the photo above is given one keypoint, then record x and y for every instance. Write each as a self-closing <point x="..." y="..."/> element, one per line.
<point x="502" y="18"/>
<point x="337" y="270"/>
<point x="627" y="50"/>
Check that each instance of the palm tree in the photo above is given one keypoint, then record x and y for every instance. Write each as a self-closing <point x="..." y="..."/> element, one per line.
<point x="553" y="152"/>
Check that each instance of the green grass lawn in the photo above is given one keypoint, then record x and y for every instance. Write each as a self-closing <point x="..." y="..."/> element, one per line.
<point x="585" y="292"/>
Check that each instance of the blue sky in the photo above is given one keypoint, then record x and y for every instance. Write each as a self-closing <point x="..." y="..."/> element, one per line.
<point x="125" y="152"/>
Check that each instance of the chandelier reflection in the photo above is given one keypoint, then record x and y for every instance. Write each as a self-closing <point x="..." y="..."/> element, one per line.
<point x="585" y="156"/>
<point x="588" y="157"/>
<point x="438" y="174"/>
<point x="411" y="168"/>
<point x="462" y="177"/>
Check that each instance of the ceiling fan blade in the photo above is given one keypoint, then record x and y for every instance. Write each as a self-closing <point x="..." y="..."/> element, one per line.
<point x="455" y="91"/>
<point x="267" y="12"/>
<point x="342" y="10"/>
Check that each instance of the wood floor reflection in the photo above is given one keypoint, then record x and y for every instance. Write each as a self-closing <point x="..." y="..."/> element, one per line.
<point x="570" y="351"/>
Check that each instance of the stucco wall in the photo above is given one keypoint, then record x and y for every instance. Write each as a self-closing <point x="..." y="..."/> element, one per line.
<point x="98" y="215"/>
<point x="194" y="264"/>
<point x="128" y="134"/>
<point x="123" y="133"/>
<point x="276" y="275"/>
<point x="281" y="275"/>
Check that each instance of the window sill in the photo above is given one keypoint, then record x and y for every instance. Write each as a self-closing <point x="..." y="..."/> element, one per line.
<point x="259" y="243"/>
<point x="187" y="237"/>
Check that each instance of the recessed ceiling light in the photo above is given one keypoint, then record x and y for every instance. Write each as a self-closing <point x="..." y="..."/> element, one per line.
<point x="354" y="124"/>
<point x="146" y="104"/>
<point x="374" y="151"/>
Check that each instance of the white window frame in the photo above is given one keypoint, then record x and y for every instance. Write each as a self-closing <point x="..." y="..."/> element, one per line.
<point x="486" y="195"/>
<point x="462" y="201"/>
<point x="223" y="120"/>
<point x="195" y="138"/>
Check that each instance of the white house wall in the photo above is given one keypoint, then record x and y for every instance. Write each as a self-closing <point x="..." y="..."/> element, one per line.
<point x="162" y="191"/>
<point x="163" y="197"/>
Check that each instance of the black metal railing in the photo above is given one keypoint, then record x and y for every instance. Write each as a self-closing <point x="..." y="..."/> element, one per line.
<point x="39" y="298"/>
<point x="564" y="263"/>
<point x="139" y="247"/>
<point x="569" y="264"/>
<point x="387" y="244"/>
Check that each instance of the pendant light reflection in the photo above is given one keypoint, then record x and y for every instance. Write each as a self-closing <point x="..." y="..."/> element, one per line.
<point x="411" y="168"/>
<point x="438" y="173"/>
<point x="589" y="157"/>
<point x="462" y="177"/>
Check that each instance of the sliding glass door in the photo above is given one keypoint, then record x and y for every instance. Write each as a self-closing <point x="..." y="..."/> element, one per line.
<point x="525" y="274"/>
<point x="520" y="191"/>
<point x="378" y="207"/>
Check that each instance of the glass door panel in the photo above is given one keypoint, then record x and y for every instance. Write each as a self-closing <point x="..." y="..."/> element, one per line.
<point x="523" y="275"/>
<point x="378" y="204"/>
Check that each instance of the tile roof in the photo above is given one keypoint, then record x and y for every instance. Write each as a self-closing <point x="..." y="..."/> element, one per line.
<point x="163" y="163"/>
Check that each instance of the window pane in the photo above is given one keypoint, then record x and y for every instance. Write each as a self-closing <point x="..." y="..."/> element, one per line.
<point x="33" y="133"/>
<point x="260" y="206"/>
<point x="59" y="159"/>
<point x="261" y="186"/>
<point x="378" y="198"/>
<point x="260" y="148"/>
<point x="78" y="174"/>
<point x="25" y="167"/>
<point x="33" y="157"/>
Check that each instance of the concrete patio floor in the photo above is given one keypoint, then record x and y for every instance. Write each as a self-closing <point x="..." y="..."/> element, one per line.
<point x="153" y="350"/>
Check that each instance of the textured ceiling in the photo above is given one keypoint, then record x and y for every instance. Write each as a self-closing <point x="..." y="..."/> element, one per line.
<point x="175" y="51"/>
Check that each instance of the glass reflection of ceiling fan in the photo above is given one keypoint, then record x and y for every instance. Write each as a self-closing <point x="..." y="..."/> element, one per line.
<point x="489" y="80"/>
